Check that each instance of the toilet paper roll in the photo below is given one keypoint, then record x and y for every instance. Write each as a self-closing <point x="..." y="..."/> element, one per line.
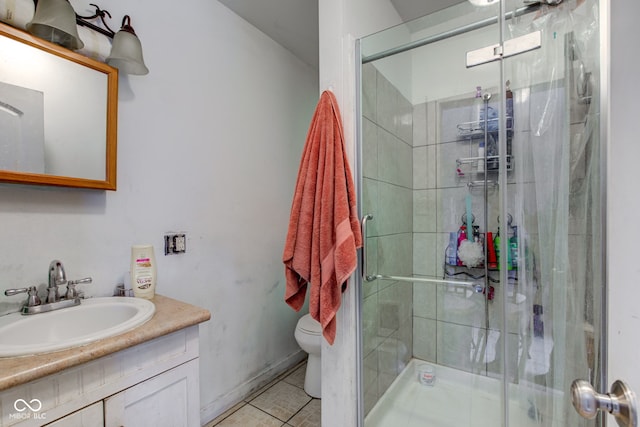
<point x="17" y="13"/>
<point x="96" y="45"/>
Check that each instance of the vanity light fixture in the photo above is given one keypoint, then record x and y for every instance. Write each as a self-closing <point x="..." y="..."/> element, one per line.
<point x="126" y="50"/>
<point x="56" y="21"/>
<point x="483" y="2"/>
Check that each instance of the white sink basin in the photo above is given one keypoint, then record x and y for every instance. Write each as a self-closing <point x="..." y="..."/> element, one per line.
<point x="93" y="319"/>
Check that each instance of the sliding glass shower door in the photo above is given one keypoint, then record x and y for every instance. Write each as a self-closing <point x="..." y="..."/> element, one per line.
<point x="480" y="198"/>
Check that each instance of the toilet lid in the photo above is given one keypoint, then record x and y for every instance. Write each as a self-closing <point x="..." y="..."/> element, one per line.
<point x="309" y="325"/>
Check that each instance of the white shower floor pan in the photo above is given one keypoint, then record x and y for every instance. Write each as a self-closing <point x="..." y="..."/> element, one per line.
<point x="457" y="399"/>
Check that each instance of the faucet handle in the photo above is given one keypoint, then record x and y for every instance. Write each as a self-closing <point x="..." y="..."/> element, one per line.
<point x="80" y="281"/>
<point x="72" y="293"/>
<point x="33" y="298"/>
<point x="16" y="291"/>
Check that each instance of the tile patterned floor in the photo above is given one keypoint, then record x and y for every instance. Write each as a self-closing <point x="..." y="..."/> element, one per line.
<point x="282" y="402"/>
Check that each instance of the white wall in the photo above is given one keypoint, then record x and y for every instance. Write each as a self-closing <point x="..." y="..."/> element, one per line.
<point x="341" y="23"/>
<point x="623" y="204"/>
<point x="209" y="143"/>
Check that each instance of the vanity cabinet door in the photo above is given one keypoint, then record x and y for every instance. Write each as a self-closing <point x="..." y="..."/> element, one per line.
<point x="170" y="399"/>
<point x="91" y="416"/>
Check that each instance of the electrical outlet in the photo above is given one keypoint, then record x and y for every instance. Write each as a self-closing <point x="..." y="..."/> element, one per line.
<point x="179" y="243"/>
<point x="175" y="243"/>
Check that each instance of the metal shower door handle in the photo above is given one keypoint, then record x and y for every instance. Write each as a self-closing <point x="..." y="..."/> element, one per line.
<point x="365" y="274"/>
<point x="620" y="402"/>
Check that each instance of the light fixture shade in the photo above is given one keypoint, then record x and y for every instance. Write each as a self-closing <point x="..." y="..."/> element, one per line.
<point x="126" y="51"/>
<point x="55" y="21"/>
<point x="483" y="2"/>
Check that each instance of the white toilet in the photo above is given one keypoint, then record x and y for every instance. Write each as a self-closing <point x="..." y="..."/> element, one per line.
<point x="309" y="336"/>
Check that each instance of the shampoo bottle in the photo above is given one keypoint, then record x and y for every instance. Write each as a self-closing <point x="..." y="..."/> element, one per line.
<point x="452" y="249"/>
<point x="143" y="271"/>
<point x="513" y="248"/>
<point x="496" y="247"/>
<point x="492" y="260"/>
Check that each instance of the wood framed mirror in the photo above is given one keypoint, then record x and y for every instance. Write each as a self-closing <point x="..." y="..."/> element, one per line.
<point x="58" y="115"/>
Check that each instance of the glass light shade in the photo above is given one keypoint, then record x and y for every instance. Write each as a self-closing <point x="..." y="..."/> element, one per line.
<point x="483" y="2"/>
<point x="55" y="21"/>
<point x="126" y="53"/>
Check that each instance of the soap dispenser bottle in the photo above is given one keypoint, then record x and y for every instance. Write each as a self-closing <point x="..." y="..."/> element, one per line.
<point x="143" y="271"/>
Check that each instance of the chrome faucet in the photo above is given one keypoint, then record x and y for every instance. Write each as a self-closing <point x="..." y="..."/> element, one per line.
<point x="57" y="277"/>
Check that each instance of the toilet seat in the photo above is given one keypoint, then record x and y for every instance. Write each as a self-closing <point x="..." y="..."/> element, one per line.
<point x="309" y="325"/>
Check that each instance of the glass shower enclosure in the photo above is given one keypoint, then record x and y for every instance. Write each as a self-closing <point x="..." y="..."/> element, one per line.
<point x="480" y="173"/>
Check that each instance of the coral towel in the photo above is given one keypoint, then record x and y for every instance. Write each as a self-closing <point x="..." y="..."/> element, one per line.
<point x="324" y="231"/>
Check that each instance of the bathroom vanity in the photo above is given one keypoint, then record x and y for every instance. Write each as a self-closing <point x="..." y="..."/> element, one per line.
<point x="145" y="377"/>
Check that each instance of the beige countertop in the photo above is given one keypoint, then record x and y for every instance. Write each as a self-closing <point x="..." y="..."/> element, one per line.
<point x="170" y="316"/>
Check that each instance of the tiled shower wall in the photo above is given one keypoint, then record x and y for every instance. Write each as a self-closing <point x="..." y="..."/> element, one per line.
<point x="453" y="326"/>
<point x="449" y="323"/>
<point x="412" y="189"/>
<point x="388" y="195"/>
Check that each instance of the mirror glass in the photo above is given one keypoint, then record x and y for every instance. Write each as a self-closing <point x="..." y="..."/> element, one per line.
<point x="57" y="114"/>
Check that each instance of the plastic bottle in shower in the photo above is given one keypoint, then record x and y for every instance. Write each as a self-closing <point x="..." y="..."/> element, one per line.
<point x="476" y="110"/>
<point x="513" y="248"/>
<point x="496" y="245"/>
<point x="492" y="261"/>
<point x="451" y="253"/>
<point x="538" y="322"/>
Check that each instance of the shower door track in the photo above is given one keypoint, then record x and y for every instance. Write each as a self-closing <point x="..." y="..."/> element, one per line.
<point x="448" y="34"/>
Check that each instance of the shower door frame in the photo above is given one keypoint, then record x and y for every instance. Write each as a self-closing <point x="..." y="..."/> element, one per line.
<point x="604" y="106"/>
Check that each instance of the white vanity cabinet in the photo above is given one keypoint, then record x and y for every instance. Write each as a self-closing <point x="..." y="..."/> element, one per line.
<point x="92" y="415"/>
<point x="154" y="383"/>
<point x="169" y="399"/>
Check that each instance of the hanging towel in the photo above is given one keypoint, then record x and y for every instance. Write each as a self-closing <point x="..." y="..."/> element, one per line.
<point x="324" y="231"/>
